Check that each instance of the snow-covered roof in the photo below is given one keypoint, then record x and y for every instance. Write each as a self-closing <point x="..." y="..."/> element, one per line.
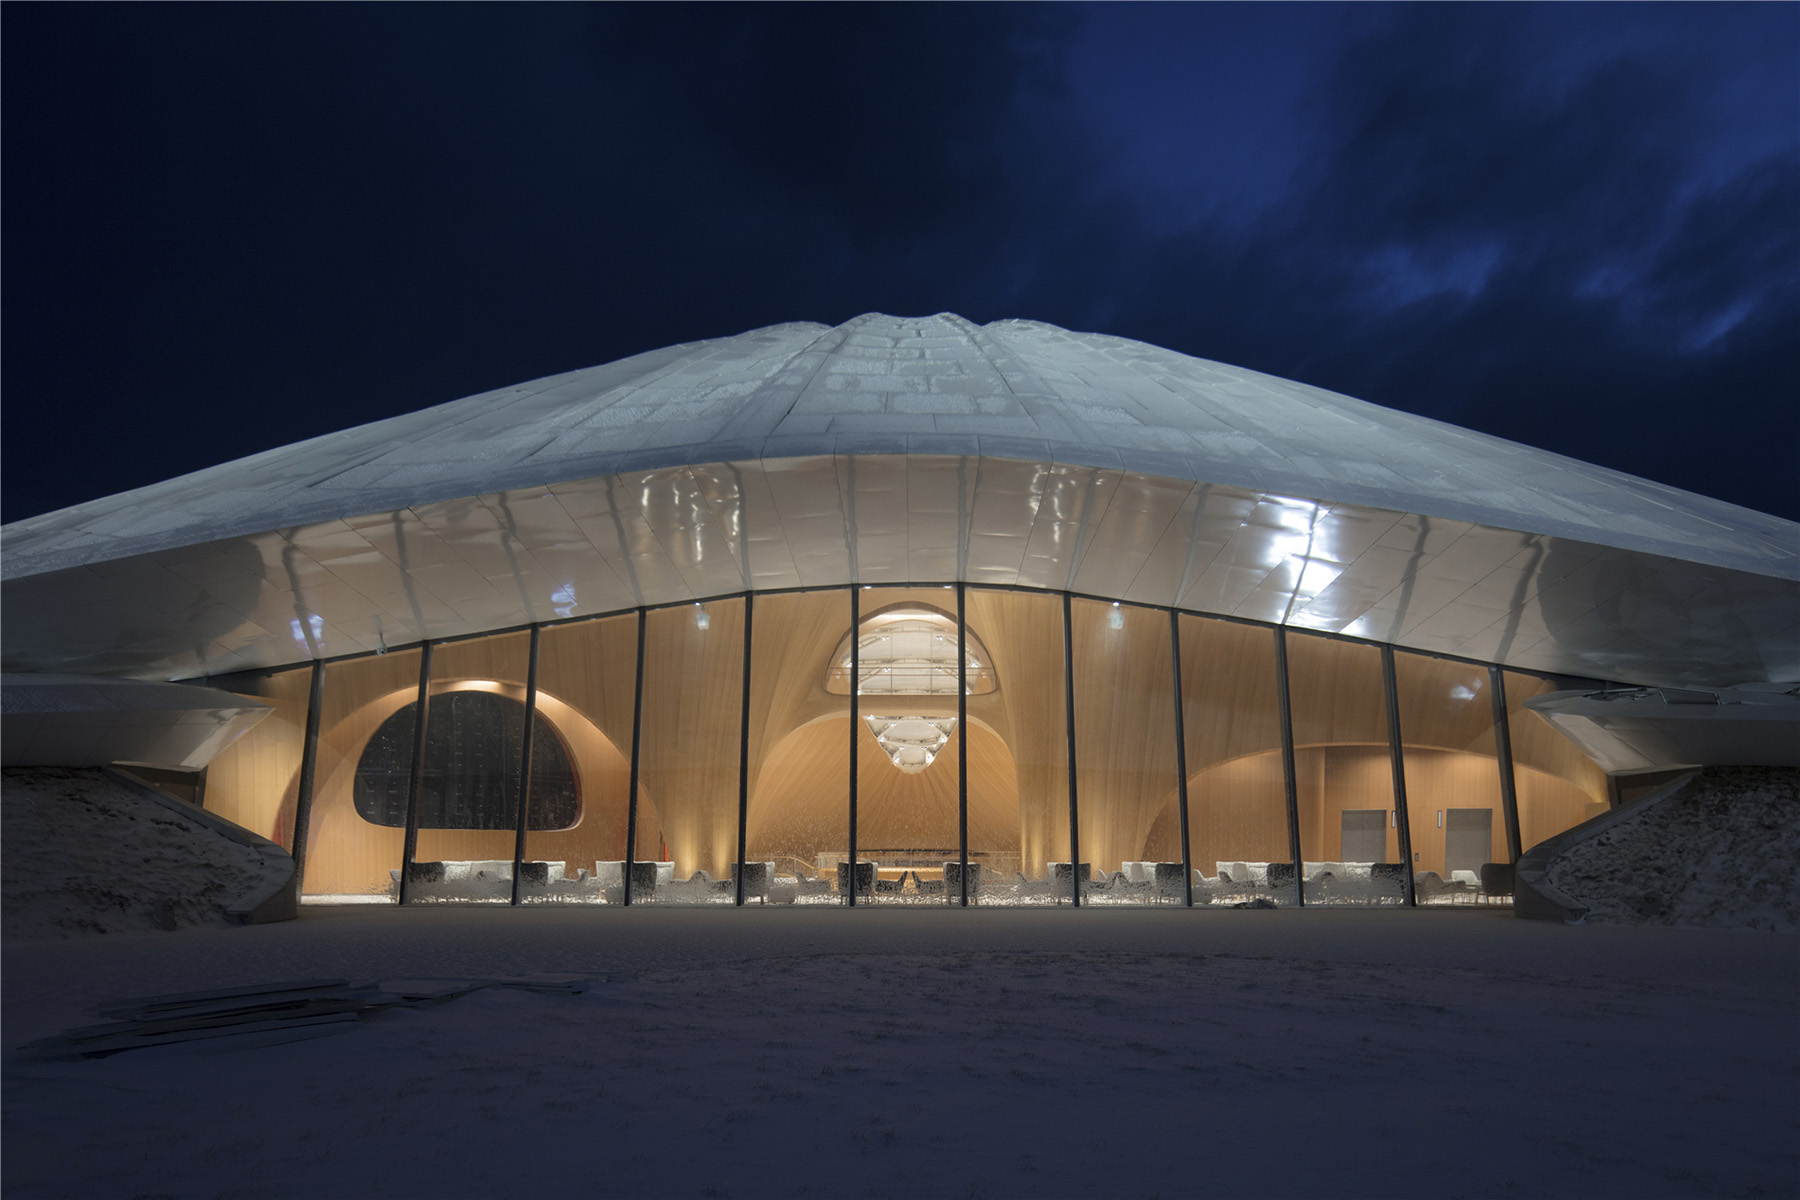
<point x="892" y="450"/>
<point x="940" y="385"/>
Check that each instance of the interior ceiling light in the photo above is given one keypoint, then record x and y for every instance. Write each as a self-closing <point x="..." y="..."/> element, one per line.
<point x="911" y="743"/>
<point x="909" y="651"/>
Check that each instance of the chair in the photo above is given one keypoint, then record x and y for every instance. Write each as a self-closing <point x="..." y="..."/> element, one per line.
<point x="865" y="878"/>
<point x="1388" y="880"/>
<point x="756" y="879"/>
<point x="953" y="881"/>
<point x="645" y="876"/>
<point x="1281" y="875"/>
<point x="535" y="874"/>
<point x="1061" y="873"/>
<point x="1497" y="879"/>
<point x="1166" y="877"/>
<point x="425" y="872"/>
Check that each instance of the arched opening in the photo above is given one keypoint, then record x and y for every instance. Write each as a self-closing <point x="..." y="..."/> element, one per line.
<point x="469" y="775"/>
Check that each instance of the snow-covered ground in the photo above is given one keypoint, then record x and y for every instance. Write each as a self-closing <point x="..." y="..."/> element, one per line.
<point x="1724" y="851"/>
<point x="84" y="856"/>
<point x="1061" y="1053"/>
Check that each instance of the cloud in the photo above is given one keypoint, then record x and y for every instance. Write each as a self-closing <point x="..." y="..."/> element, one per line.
<point x="1537" y="259"/>
<point x="252" y="224"/>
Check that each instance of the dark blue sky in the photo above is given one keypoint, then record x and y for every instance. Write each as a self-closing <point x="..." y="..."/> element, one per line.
<point x="228" y="227"/>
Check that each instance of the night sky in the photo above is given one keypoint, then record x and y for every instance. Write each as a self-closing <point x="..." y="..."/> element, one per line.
<point x="230" y="227"/>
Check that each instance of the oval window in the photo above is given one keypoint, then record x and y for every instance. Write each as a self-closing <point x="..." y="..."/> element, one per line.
<point x="470" y="776"/>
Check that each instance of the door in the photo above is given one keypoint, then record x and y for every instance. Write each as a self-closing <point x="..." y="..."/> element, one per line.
<point x="1468" y="839"/>
<point x="1364" y="835"/>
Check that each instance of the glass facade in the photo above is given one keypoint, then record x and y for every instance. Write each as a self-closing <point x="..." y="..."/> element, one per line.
<point x="347" y="856"/>
<point x="468" y="789"/>
<point x="1124" y="750"/>
<point x="586" y="693"/>
<point x="688" y="769"/>
<point x="798" y="825"/>
<point x="1343" y="772"/>
<point x="1237" y="790"/>
<point x="1456" y="809"/>
<point x="1019" y="759"/>
<point x="838" y="746"/>
<point x="1558" y="786"/>
<point x="255" y="781"/>
<point x="908" y="763"/>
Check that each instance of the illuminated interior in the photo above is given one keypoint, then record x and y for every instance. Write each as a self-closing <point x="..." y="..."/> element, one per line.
<point x="955" y="798"/>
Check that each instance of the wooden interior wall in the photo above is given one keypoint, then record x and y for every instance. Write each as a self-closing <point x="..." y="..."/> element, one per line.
<point x="1018" y="788"/>
<point x="1023" y="631"/>
<point x="1444" y="704"/>
<point x="346" y="854"/>
<point x="1550" y="804"/>
<point x="254" y="781"/>
<point x="693" y="698"/>
<point x="799" y="743"/>
<point x="1237" y="812"/>
<point x="587" y="680"/>
<point x="798" y="806"/>
<point x="1230" y="708"/>
<point x="1542" y="755"/>
<point x="1231" y="715"/>
<point x="799" y="810"/>
<point x="1331" y="779"/>
<point x="1440" y="779"/>
<point x="1124" y="729"/>
<point x="1336" y="692"/>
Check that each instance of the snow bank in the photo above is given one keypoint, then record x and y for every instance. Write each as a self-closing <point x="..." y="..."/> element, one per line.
<point x="86" y="855"/>
<point x="1723" y="851"/>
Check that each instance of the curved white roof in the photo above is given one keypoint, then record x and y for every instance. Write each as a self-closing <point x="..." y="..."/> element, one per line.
<point x="890" y="450"/>
<point x="938" y="385"/>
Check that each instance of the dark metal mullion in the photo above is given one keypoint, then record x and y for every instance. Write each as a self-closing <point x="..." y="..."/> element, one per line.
<point x="422" y="707"/>
<point x="1289" y="779"/>
<point x="855" y="718"/>
<point x="1397" y="760"/>
<point x="1069" y="732"/>
<point x="1181" y="774"/>
<point x="744" y="752"/>
<point x="309" y="760"/>
<point x="523" y="816"/>
<point x="637" y="741"/>
<point x="1509" y="796"/>
<point x="962" y="738"/>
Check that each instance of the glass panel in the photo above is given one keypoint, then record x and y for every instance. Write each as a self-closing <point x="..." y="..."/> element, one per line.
<point x="469" y="790"/>
<point x="1018" y="751"/>
<point x="688" y="777"/>
<point x="587" y="679"/>
<point x="350" y="859"/>
<point x="1125" y="751"/>
<point x="907" y="822"/>
<point x="1558" y="787"/>
<point x="255" y="781"/>
<point x="1343" y="769"/>
<point x="799" y="750"/>
<point x="1456" y="816"/>
<point x="1237" y="797"/>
